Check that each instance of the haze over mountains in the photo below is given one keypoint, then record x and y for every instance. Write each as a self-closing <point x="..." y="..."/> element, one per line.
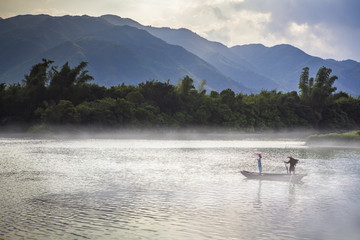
<point x="121" y="50"/>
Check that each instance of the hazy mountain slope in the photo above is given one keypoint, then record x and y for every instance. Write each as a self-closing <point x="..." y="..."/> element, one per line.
<point x="217" y="54"/>
<point x="255" y="65"/>
<point x="115" y="54"/>
<point x="284" y="64"/>
<point x="23" y="38"/>
<point x="122" y="50"/>
<point x="152" y="58"/>
<point x="119" y="21"/>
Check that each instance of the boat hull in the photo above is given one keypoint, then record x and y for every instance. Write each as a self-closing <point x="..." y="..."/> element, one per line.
<point x="274" y="176"/>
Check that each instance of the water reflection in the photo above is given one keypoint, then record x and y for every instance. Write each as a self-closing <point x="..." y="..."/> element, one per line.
<point x="258" y="198"/>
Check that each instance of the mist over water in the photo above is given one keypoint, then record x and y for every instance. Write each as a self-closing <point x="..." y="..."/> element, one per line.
<point x="138" y="187"/>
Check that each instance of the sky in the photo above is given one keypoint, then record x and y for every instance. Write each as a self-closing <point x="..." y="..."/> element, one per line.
<point x="323" y="28"/>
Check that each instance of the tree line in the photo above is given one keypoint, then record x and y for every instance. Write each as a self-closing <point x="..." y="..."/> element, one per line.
<point x="52" y="96"/>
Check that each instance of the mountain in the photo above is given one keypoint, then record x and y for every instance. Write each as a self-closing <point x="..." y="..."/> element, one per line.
<point x="254" y="65"/>
<point x="121" y="50"/>
<point x="217" y="54"/>
<point x="116" y="54"/>
<point x="284" y="64"/>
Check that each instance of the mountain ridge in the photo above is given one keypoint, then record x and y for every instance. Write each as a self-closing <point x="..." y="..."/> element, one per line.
<point x="248" y="70"/>
<point x="162" y="53"/>
<point x="155" y="59"/>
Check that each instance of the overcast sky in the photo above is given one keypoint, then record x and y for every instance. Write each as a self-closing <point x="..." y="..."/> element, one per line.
<point x="323" y="28"/>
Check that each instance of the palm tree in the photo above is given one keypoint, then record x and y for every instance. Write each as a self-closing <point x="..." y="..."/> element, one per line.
<point x="64" y="81"/>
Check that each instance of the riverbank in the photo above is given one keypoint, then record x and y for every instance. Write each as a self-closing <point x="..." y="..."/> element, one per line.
<point x="347" y="139"/>
<point x="185" y="133"/>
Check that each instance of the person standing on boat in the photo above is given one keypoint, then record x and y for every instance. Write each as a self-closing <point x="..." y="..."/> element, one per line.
<point x="259" y="163"/>
<point x="292" y="161"/>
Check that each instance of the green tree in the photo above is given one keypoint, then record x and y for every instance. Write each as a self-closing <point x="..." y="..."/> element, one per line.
<point x="160" y="94"/>
<point x="66" y="97"/>
<point x="214" y="94"/>
<point x="228" y="97"/>
<point x="201" y="88"/>
<point x="106" y="112"/>
<point x="120" y="91"/>
<point x="14" y="103"/>
<point x="318" y="94"/>
<point x="124" y="111"/>
<point x="63" y="81"/>
<point x="100" y="112"/>
<point x="39" y="75"/>
<point x="62" y="113"/>
<point x="147" y="115"/>
<point x="185" y="86"/>
<point x="305" y="85"/>
<point x="87" y="92"/>
<point x="2" y="100"/>
<point x="35" y="91"/>
<point x="323" y="88"/>
<point x="135" y="97"/>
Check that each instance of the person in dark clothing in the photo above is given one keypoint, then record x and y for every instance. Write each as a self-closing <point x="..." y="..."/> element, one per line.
<point x="292" y="161"/>
<point x="259" y="163"/>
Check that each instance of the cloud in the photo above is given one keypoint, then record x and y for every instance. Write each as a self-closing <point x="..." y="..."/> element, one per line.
<point x="221" y="21"/>
<point x="325" y="28"/>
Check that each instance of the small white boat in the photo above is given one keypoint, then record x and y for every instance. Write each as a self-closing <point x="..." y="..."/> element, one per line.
<point x="274" y="176"/>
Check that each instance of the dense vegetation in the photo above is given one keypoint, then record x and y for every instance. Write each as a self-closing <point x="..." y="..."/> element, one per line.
<point x="65" y="97"/>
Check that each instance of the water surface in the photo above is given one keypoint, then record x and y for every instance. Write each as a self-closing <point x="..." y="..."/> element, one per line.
<point x="174" y="189"/>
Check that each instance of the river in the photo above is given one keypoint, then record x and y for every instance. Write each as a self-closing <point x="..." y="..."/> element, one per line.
<point x="143" y="188"/>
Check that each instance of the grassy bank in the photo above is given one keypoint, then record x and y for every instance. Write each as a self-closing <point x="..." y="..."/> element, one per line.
<point x="347" y="139"/>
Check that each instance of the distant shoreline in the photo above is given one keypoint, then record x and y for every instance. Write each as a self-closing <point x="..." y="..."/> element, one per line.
<point x="131" y="132"/>
<point x="312" y="138"/>
<point x="347" y="139"/>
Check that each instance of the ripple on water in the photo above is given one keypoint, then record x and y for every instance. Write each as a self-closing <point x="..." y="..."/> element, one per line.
<point x="173" y="190"/>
